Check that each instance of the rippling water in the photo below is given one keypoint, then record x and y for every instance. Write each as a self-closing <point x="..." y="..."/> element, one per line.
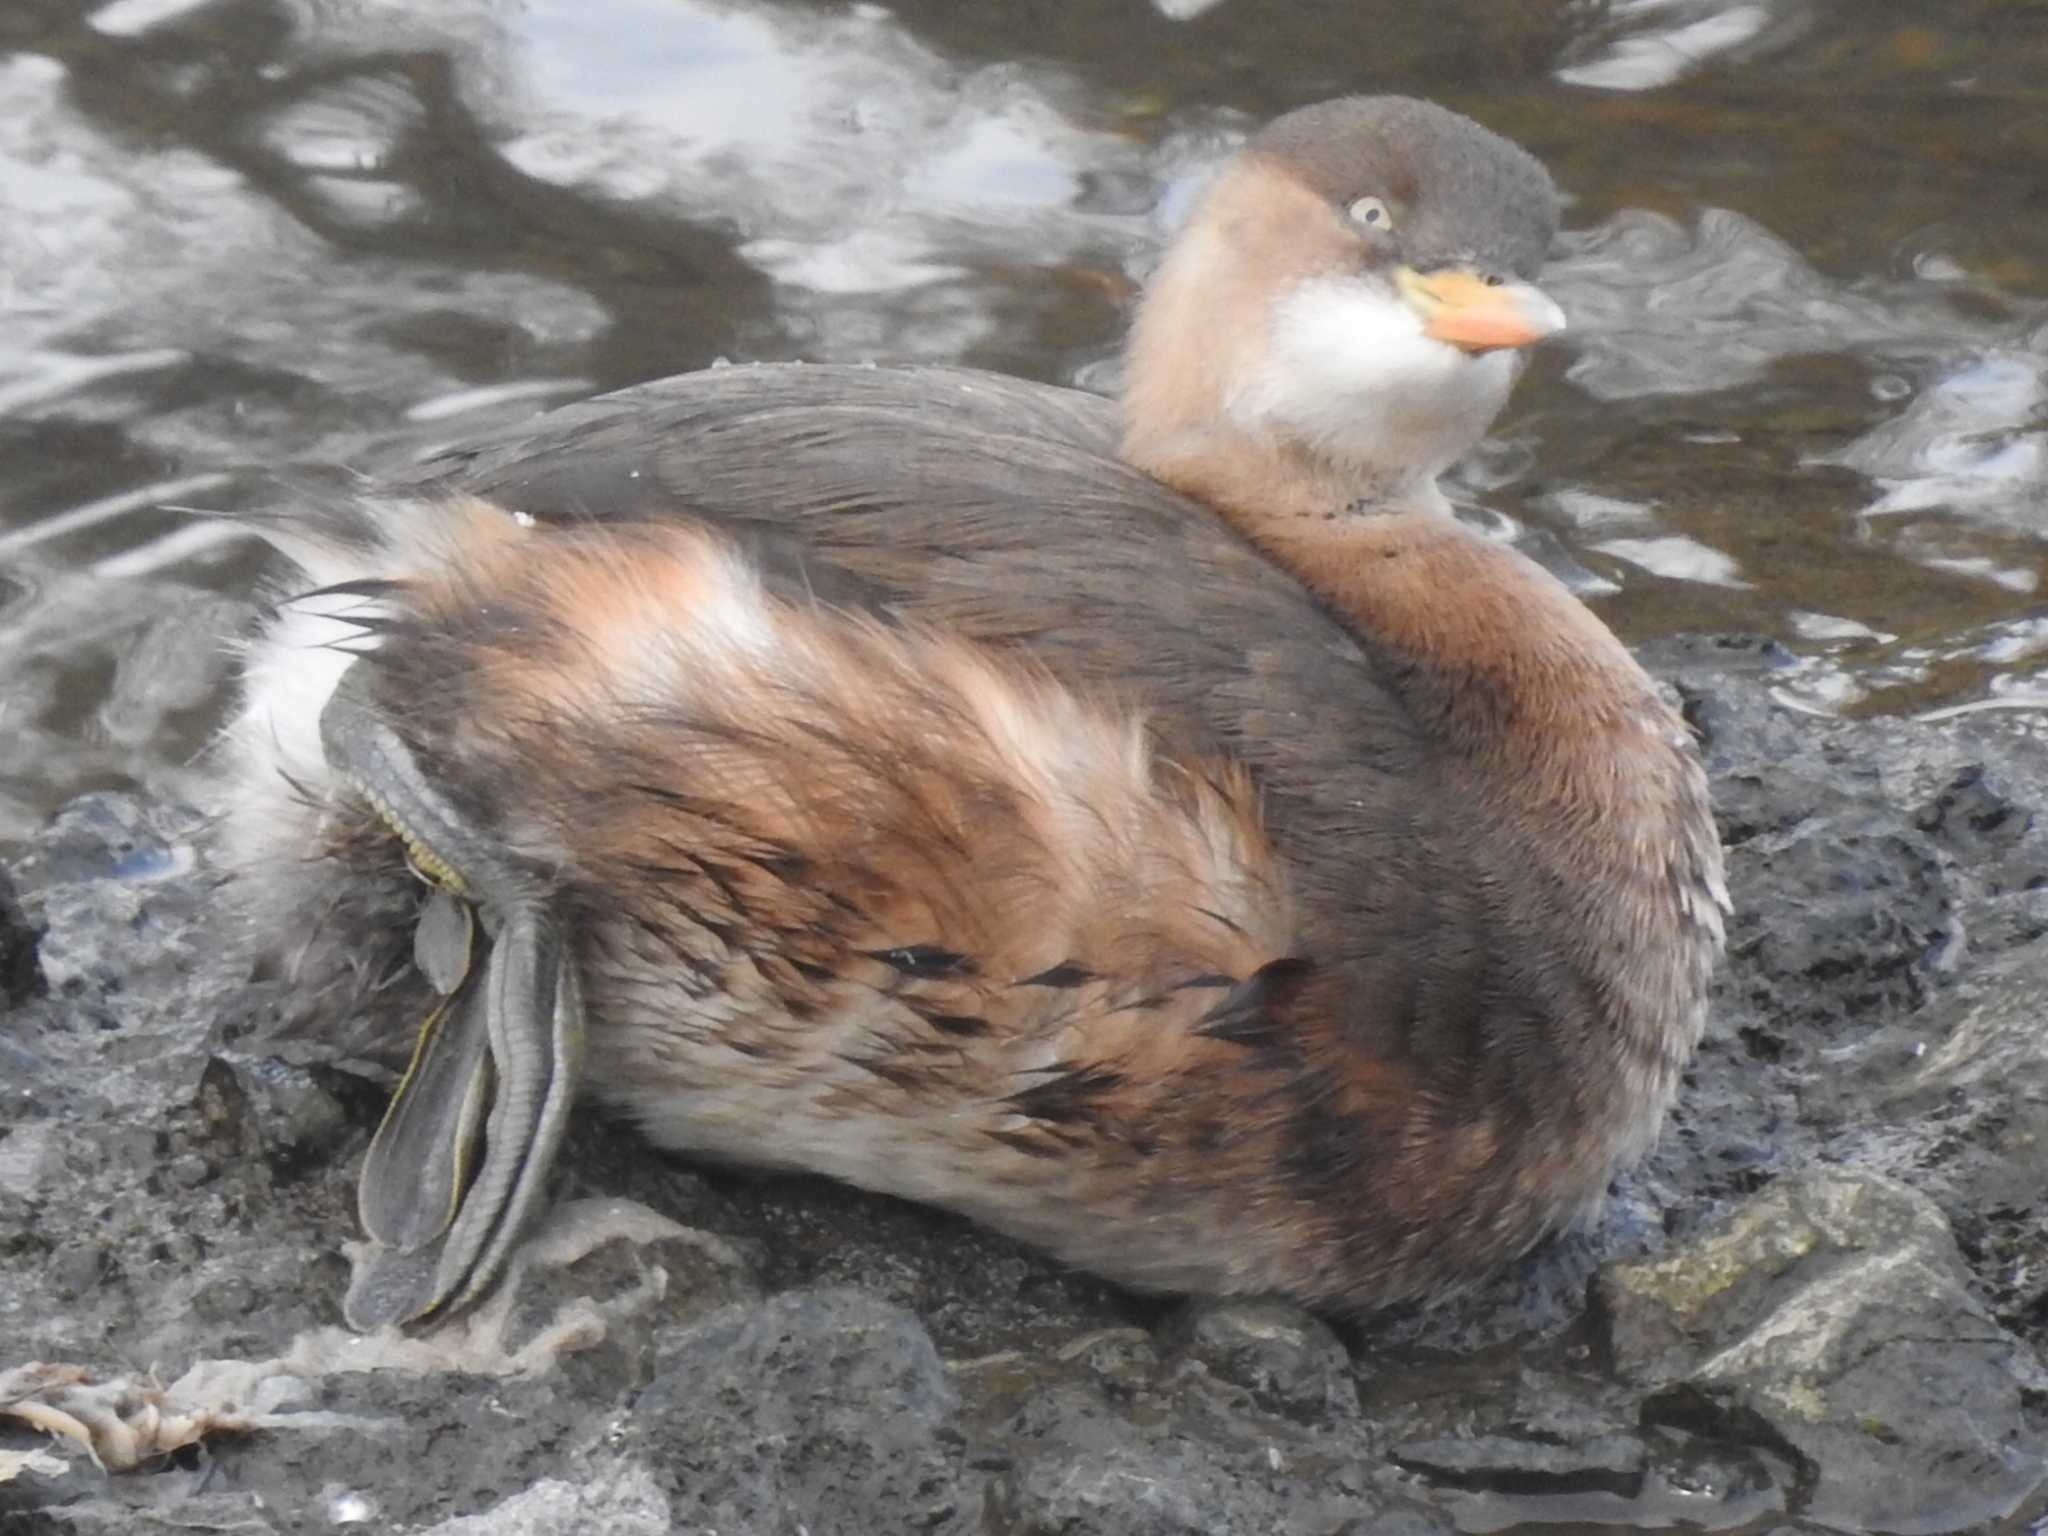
<point x="1805" y="390"/>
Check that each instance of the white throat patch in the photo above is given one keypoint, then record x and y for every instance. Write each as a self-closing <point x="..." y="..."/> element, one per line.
<point x="1349" y="372"/>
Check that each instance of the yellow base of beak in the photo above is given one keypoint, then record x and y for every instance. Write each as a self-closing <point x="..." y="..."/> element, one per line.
<point x="1468" y="311"/>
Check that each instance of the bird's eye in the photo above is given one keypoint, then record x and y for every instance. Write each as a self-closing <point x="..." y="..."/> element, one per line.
<point x="1370" y="213"/>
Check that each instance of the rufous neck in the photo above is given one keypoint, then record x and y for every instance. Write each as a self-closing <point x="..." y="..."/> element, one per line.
<point x="1544" y="729"/>
<point x="1262" y="485"/>
<point x="1486" y="647"/>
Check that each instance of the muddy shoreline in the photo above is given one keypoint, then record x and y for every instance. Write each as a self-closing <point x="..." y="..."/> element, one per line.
<point x="1819" y="1306"/>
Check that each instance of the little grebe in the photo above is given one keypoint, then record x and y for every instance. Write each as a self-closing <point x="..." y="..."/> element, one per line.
<point x="1171" y="839"/>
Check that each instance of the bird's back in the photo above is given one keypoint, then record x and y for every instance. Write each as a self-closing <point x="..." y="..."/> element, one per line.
<point x="997" y="510"/>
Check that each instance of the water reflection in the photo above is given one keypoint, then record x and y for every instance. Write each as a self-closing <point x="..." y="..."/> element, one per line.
<point x="131" y="18"/>
<point x="1803" y="391"/>
<point x="1973" y="443"/>
<point x="893" y="198"/>
<point x="1649" y="43"/>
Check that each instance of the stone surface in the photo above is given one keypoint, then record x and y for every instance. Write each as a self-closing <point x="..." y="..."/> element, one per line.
<point x="20" y="976"/>
<point x="1079" y="1463"/>
<point x="1288" y="1361"/>
<point x="1819" y="1305"/>
<point x="1828" y="1318"/>
<point x="618" y="1501"/>
<point x="812" y="1409"/>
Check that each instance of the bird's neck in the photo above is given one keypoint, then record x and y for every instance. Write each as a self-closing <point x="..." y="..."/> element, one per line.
<point x="1270" y="488"/>
<point x="1527" y="698"/>
<point x="1487" y="649"/>
<point x="1543" y="726"/>
<point x="1473" y="635"/>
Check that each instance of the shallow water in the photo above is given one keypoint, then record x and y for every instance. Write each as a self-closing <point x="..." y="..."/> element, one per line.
<point x="1805" y="390"/>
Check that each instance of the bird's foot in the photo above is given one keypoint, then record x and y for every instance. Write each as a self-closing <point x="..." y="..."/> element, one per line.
<point x="458" y="1166"/>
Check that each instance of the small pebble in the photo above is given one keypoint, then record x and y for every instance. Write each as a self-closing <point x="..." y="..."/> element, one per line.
<point x="76" y="1268"/>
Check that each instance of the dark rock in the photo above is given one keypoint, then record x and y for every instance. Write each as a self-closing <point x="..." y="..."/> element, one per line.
<point x="1606" y="1464"/>
<point x="1081" y="1466"/>
<point x="224" y="1109"/>
<point x="75" y="1269"/>
<point x="1289" y="1361"/>
<point x="1975" y="817"/>
<point x="423" y="1447"/>
<point x="616" y="1501"/>
<point x="225" y="1299"/>
<point x="1648" y="1479"/>
<point x="1878" y="900"/>
<point x="1955" y="1097"/>
<point x="294" y="1116"/>
<point x="115" y="884"/>
<point x="1125" y="1362"/>
<point x="1545" y="1446"/>
<point x="818" y="1409"/>
<point x="1828" y="1319"/>
<point x="21" y="975"/>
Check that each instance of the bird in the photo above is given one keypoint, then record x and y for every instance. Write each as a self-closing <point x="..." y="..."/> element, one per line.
<point x="1156" y="828"/>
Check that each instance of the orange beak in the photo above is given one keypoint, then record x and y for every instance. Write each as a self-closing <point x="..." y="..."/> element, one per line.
<point x="1467" y="311"/>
